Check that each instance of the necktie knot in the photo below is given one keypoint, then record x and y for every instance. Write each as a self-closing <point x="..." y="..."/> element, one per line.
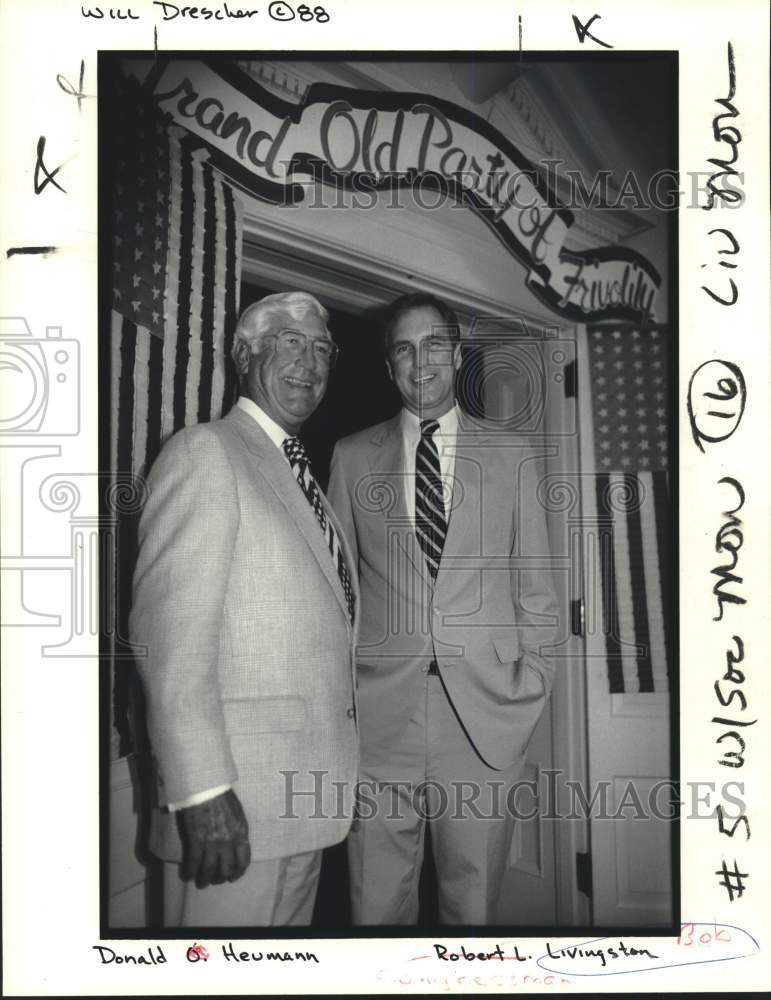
<point x="295" y="450"/>
<point x="428" y="427"/>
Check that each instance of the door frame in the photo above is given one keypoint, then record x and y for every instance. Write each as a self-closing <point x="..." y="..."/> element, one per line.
<point x="278" y="257"/>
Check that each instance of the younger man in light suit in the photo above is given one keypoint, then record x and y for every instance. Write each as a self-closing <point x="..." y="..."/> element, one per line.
<point x="245" y="600"/>
<point x="439" y="511"/>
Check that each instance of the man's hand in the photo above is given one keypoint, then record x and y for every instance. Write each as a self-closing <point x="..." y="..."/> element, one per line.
<point x="215" y="838"/>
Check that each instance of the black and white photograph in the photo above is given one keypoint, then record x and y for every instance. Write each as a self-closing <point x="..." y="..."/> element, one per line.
<point x="384" y="412"/>
<point x="392" y="343"/>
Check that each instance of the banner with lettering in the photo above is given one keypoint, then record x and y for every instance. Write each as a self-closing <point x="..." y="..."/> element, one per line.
<point x="366" y="141"/>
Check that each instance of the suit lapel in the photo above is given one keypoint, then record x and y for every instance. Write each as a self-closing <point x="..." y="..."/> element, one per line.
<point x="466" y="502"/>
<point x="386" y="464"/>
<point x="277" y="474"/>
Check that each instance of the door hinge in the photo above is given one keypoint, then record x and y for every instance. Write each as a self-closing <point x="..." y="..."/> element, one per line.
<point x="584" y="872"/>
<point x="577" y="616"/>
<point x="570" y="379"/>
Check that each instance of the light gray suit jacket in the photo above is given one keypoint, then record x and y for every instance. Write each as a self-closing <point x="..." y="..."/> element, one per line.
<point x="248" y="669"/>
<point x="493" y="608"/>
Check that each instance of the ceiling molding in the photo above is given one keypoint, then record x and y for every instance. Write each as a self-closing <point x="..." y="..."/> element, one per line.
<point x="279" y="78"/>
<point x="290" y="79"/>
<point x="545" y="138"/>
<point x="543" y="131"/>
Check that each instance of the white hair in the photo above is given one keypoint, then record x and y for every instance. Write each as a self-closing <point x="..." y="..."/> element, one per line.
<point x="256" y="319"/>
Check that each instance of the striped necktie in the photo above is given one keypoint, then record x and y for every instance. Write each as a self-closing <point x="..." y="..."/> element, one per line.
<point x="430" y="518"/>
<point x="301" y="466"/>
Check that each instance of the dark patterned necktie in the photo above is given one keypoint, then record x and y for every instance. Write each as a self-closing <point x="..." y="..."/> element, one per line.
<point x="301" y="466"/>
<point x="430" y="518"/>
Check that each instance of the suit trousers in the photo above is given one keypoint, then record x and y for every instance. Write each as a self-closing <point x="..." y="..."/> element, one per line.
<point x="434" y="775"/>
<point x="279" y="892"/>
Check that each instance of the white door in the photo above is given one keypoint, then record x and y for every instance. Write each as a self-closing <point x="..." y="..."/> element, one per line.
<point x="529" y="388"/>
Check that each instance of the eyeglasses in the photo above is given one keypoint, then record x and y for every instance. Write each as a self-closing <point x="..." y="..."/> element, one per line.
<point x="436" y="348"/>
<point x="293" y="344"/>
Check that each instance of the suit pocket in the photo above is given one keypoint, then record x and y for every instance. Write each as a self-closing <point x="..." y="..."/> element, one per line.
<point x="533" y="685"/>
<point x="541" y="667"/>
<point x="251" y="716"/>
<point x="506" y="646"/>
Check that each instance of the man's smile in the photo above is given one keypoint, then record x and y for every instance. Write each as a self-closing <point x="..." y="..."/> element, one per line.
<point x="298" y="382"/>
<point x="423" y="379"/>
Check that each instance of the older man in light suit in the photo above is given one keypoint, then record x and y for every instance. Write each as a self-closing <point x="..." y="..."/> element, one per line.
<point x="245" y="601"/>
<point x="457" y="605"/>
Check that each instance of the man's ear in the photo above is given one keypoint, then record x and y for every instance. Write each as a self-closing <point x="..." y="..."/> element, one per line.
<point x="457" y="356"/>
<point x="242" y="354"/>
<point x="389" y="370"/>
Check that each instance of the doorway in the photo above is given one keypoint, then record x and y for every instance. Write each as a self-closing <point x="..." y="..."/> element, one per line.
<point x="522" y="371"/>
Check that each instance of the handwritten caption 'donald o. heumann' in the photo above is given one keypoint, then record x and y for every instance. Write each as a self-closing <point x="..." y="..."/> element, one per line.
<point x="717" y="394"/>
<point x="155" y="955"/>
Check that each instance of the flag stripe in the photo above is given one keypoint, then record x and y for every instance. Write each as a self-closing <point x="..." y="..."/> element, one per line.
<point x="658" y="656"/>
<point x="608" y="578"/>
<point x="195" y="347"/>
<point x="126" y="396"/>
<point x="623" y="587"/>
<point x="185" y="291"/>
<point x="207" y="298"/>
<point x="661" y="493"/>
<point x="238" y="225"/>
<point x="639" y="592"/>
<point x="116" y="322"/>
<point x="171" y="305"/>
<point x="219" y="359"/>
<point x="154" y="399"/>
<point x="231" y="291"/>
<point x="141" y="393"/>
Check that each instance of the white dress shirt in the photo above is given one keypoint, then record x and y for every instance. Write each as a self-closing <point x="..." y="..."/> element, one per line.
<point x="277" y="435"/>
<point x="445" y="439"/>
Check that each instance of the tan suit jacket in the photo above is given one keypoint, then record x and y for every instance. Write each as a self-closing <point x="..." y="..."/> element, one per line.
<point x="493" y="608"/>
<point x="248" y="669"/>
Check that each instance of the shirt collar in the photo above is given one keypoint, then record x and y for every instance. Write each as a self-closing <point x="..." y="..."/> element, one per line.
<point x="276" y="434"/>
<point x="448" y="423"/>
